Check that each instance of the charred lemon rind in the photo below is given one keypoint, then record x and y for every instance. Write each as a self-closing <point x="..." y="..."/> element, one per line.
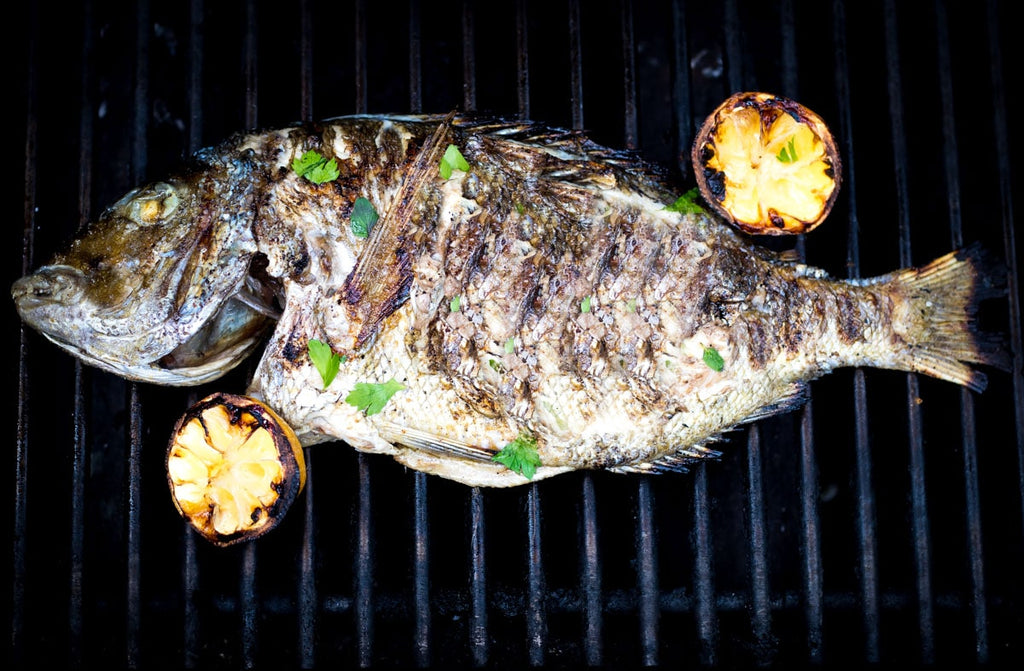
<point x="767" y="164"/>
<point x="234" y="468"/>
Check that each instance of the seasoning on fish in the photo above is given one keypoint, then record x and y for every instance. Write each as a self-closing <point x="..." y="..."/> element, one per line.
<point x="767" y="164"/>
<point x="540" y="288"/>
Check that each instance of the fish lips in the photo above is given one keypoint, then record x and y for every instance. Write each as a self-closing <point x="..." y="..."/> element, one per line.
<point x="177" y="351"/>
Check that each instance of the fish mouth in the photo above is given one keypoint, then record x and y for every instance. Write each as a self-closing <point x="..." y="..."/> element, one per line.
<point x="50" y="285"/>
<point x="48" y="298"/>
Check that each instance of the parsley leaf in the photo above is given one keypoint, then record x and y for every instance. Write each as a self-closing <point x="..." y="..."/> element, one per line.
<point x="455" y="303"/>
<point x="314" y="167"/>
<point x="371" y="398"/>
<point x="520" y="456"/>
<point x="631" y="305"/>
<point x="585" y="305"/>
<point x="452" y="160"/>
<point x="713" y="359"/>
<point x="510" y="344"/>
<point x="325" y="360"/>
<point x="363" y="217"/>
<point x="687" y="203"/>
<point x="788" y="153"/>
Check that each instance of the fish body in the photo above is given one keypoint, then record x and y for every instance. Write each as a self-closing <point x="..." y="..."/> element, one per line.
<point x="546" y="292"/>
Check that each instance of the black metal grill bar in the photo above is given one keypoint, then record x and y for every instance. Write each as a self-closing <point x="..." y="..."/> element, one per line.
<point x="811" y="537"/>
<point x="1002" y="139"/>
<point x="308" y="596"/>
<point x="918" y="493"/>
<point x="760" y="605"/>
<point x="972" y="503"/>
<point x="421" y="529"/>
<point x="867" y="539"/>
<point x="80" y="451"/>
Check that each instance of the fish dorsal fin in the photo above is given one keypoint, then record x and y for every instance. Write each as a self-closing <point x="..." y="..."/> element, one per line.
<point x="433" y="443"/>
<point x="379" y="282"/>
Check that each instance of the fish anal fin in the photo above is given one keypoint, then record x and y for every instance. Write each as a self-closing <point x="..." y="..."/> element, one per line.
<point x="432" y="443"/>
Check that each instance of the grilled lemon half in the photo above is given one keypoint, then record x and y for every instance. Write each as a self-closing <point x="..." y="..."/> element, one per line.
<point x="234" y="468"/>
<point x="767" y="164"/>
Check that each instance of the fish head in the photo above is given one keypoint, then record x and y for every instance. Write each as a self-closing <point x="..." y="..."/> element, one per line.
<point x="153" y="289"/>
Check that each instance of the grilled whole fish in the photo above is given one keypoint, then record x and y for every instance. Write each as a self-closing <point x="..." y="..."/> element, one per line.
<point x="546" y="291"/>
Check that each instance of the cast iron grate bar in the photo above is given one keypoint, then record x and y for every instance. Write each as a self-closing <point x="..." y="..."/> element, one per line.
<point x="536" y="616"/>
<point x="867" y="532"/>
<point x="307" y="596"/>
<point x="811" y="535"/>
<point x="421" y="529"/>
<point x="1002" y="139"/>
<point x="79" y="467"/>
<point x="20" y="513"/>
<point x="363" y="607"/>
<point x="918" y="494"/>
<point x="972" y="503"/>
<point x="139" y="169"/>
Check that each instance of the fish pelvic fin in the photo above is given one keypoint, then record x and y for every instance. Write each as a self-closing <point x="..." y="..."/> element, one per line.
<point x="941" y="302"/>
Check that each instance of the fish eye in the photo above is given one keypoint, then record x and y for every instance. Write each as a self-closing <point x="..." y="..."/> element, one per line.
<point x="153" y="204"/>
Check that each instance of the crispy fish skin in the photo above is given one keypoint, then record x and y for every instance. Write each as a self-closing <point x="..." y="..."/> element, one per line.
<point x="546" y="291"/>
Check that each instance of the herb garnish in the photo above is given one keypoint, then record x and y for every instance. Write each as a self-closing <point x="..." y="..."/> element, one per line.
<point x="325" y="360"/>
<point x="585" y="305"/>
<point x="520" y="455"/>
<point x="713" y="359"/>
<point x="371" y="398"/>
<point x="314" y="167"/>
<point x="510" y="344"/>
<point x="363" y="217"/>
<point x="687" y="203"/>
<point x="452" y="160"/>
<point x="455" y="303"/>
<point x="788" y="153"/>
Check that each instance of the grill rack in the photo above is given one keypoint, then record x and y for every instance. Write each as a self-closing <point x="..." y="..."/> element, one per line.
<point x="707" y="574"/>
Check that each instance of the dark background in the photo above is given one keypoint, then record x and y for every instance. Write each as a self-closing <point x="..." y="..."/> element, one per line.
<point x="881" y="523"/>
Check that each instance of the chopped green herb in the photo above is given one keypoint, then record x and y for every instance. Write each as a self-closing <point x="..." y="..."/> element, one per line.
<point x="325" y="360"/>
<point x="452" y="160"/>
<point x="520" y="456"/>
<point x="631" y="305"/>
<point x="585" y="305"/>
<point x="495" y="365"/>
<point x="363" y="217"/>
<point x="520" y="208"/>
<point x="713" y="359"/>
<point x="371" y="398"/>
<point x="314" y="167"/>
<point x="687" y="203"/>
<point x="510" y="344"/>
<point x="454" y="304"/>
<point x="788" y="153"/>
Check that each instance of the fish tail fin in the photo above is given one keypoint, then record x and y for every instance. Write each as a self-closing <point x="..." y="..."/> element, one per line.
<point x="942" y="300"/>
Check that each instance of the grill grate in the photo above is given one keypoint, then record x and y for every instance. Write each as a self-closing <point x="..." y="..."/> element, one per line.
<point x="877" y="523"/>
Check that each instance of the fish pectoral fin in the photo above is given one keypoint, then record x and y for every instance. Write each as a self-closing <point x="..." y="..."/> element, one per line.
<point x="676" y="462"/>
<point x="434" y="444"/>
<point x="379" y="282"/>
<point x="795" y="396"/>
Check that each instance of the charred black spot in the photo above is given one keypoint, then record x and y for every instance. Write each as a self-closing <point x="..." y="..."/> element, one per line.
<point x="716" y="183"/>
<point x="851" y="323"/>
<point x="776" y="220"/>
<point x="758" y="345"/>
<point x="291" y="351"/>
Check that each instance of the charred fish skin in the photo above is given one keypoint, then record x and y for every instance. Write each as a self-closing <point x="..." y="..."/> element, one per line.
<point x="548" y="291"/>
<point x="545" y="291"/>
